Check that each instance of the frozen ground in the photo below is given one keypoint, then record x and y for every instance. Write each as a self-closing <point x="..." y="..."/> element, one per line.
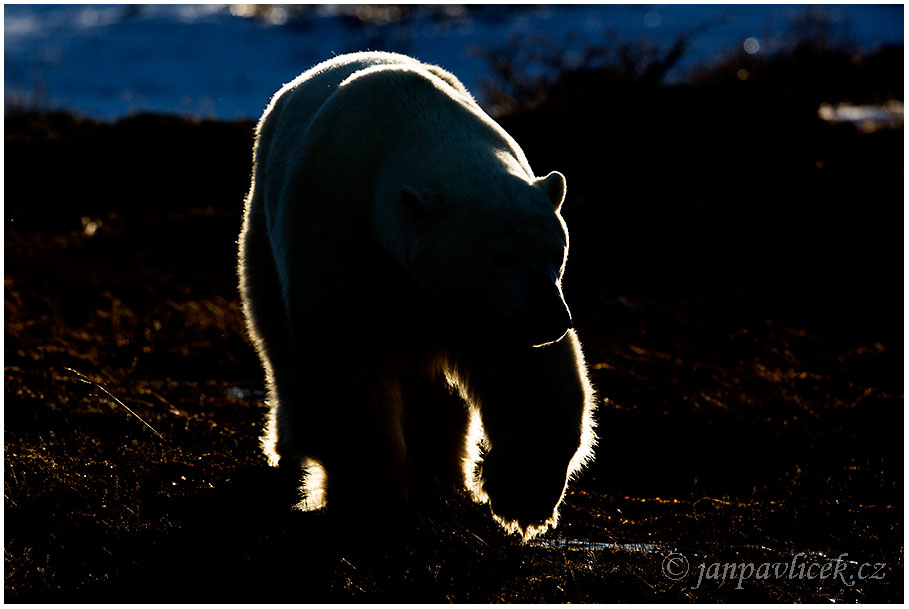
<point x="210" y="60"/>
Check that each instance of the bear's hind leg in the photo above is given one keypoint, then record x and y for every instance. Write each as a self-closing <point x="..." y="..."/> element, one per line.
<point x="263" y="309"/>
<point x="286" y="442"/>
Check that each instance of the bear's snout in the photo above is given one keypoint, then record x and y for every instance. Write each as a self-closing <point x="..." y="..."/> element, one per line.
<point x="523" y="488"/>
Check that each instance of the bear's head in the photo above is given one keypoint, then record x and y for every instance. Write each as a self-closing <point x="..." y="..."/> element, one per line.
<point x="493" y="253"/>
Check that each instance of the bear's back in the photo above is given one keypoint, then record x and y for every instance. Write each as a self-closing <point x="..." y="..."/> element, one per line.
<point x="309" y="91"/>
<point x="290" y="114"/>
<point x="312" y="88"/>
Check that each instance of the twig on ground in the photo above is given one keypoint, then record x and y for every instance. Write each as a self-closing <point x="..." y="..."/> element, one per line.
<point x="85" y="379"/>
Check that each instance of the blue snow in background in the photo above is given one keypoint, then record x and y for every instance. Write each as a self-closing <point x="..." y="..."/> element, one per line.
<point x="108" y="61"/>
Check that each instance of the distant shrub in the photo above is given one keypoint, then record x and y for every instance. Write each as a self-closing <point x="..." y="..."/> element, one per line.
<point x="528" y="70"/>
<point x="812" y="63"/>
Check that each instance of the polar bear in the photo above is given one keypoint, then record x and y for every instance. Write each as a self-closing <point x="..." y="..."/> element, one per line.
<point x="400" y="271"/>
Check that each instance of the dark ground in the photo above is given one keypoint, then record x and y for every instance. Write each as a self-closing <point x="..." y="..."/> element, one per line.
<point x="736" y="278"/>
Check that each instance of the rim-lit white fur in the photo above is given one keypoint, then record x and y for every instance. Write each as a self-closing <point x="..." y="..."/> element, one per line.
<point x="333" y="150"/>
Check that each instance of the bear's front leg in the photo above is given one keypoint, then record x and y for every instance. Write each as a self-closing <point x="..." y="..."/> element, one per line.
<point x="436" y="423"/>
<point x="362" y="448"/>
<point x="536" y="406"/>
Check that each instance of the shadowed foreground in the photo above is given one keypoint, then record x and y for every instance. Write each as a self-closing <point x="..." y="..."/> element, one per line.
<point x="746" y="344"/>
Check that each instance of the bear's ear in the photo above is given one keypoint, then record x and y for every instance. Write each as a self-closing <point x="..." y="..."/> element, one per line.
<point x="421" y="203"/>
<point x="554" y="187"/>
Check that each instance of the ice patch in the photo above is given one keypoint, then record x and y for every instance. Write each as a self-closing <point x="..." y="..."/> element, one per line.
<point x="596" y="546"/>
<point x="865" y="118"/>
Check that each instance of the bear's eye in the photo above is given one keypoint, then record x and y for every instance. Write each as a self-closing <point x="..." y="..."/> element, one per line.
<point x="505" y="261"/>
